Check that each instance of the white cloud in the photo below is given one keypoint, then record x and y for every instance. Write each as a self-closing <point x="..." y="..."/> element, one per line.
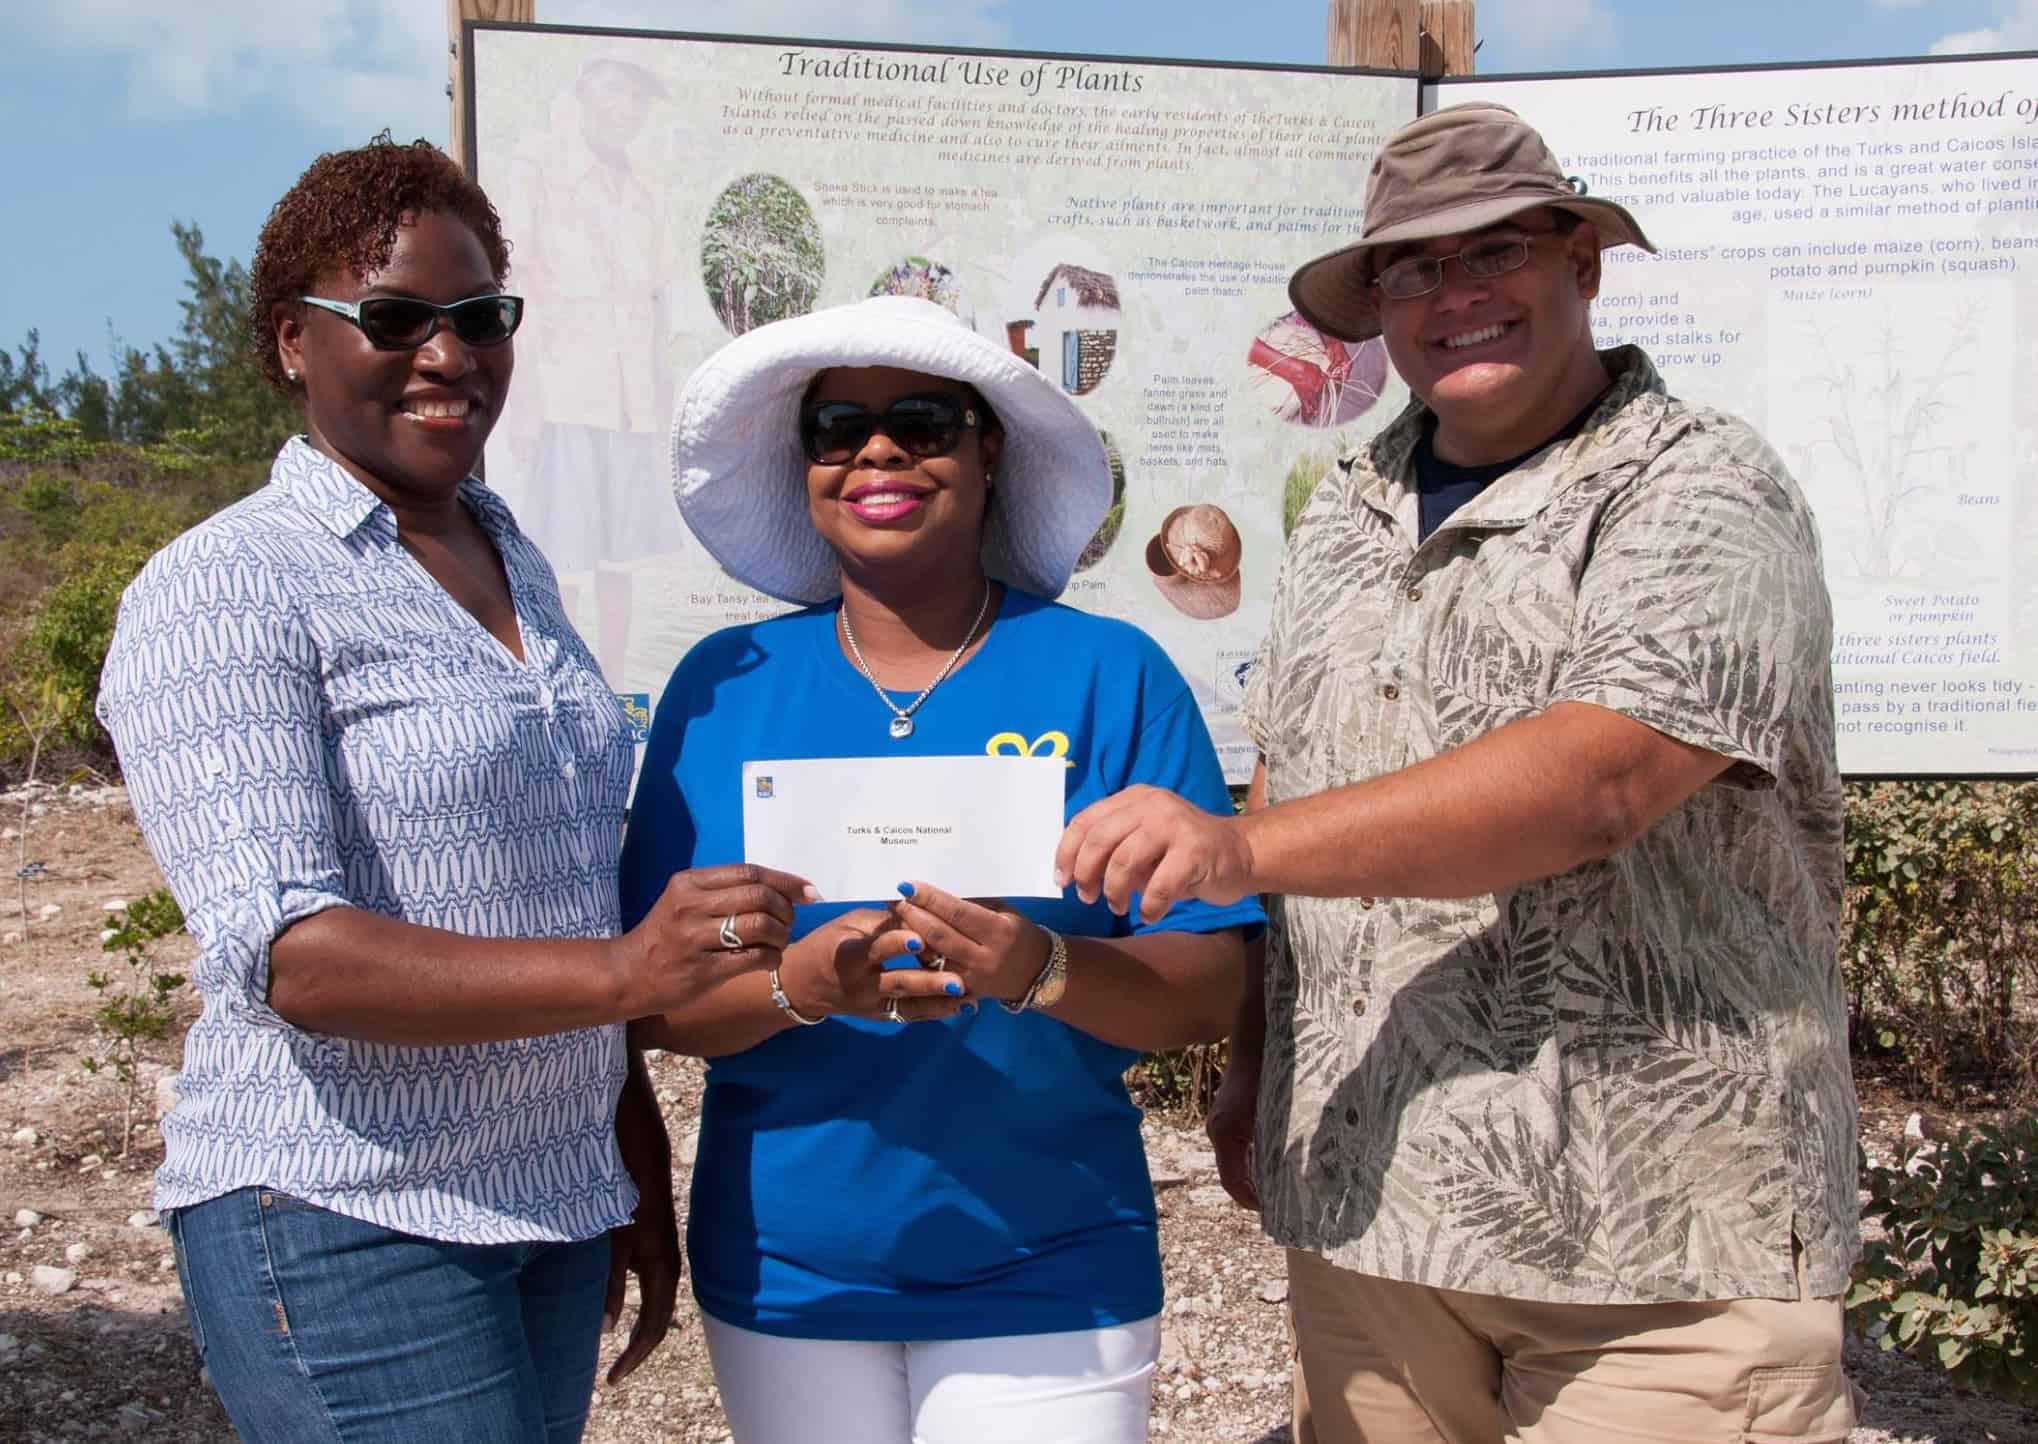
<point x="1524" y="31"/>
<point x="349" y="67"/>
<point x="1968" y="42"/>
<point x="2017" y="29"/>
<point x="352" y="67"/>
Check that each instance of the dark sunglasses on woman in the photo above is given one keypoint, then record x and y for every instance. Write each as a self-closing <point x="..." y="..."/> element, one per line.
<point x="401" y="323"/>
<point x="832" y="432"/>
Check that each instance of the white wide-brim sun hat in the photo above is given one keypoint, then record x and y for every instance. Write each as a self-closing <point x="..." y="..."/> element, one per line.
<point x="740" y="477"/>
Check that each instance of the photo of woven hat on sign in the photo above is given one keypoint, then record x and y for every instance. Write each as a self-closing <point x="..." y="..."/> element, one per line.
<point x="1309" y="378"/>
<point x="1193" y="560"/>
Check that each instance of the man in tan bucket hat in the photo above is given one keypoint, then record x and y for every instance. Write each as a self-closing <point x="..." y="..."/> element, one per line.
<point x="1544" y="1080"/>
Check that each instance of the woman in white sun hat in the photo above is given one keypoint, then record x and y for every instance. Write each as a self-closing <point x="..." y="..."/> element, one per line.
<point x="920" y="1207"/>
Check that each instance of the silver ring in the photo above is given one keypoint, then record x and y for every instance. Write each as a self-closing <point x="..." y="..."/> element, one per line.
<point x="730" y="939"/>
<point x="938" y="962"/>
<point x="892" y="1014"/>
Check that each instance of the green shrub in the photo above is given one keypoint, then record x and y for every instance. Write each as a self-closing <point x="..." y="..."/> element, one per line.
<point x="74" y="530"/>
<point x="1180" y="1082"/>
<point x="1954" y="1282"/>
<point x="67" y="641"/>
<point x="1940" y="949"/>
<point x="136" y="1009"/>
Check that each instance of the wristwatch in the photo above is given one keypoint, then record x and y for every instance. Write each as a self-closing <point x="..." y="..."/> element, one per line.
<point x="1046" y="990"/>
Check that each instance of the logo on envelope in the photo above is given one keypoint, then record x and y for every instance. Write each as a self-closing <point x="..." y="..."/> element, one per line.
<point x="764" y="787"/>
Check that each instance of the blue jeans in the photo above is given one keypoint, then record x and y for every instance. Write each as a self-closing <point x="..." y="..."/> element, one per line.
<point x="316" y="1328"/>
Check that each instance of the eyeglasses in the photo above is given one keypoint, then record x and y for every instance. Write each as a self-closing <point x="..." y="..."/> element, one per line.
<point x="925" y="425"/>
<point x="399" y="323"/>
<point x="1485" y="258"/>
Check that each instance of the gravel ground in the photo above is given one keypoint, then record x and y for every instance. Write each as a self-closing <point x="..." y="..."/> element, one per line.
<point x="108" y="1356"/>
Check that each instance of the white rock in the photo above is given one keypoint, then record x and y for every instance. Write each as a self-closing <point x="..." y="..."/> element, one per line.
<point x="77" y="1253"/>
<point x="49" y="910"/>
<point x="90" y="1161"/>
<point x="26" y="1218"/>
<point x="165" y="1265"/>
<point x="10" y="834"/>
<point x="27" y="1235"/>
<point x="107" y="935"/>
<point x="115" y="905"/>
<point x="1274" y="1291"/>
<point x="1210" y="1195"/>
<point x="13" y="1276"/>
<point x="47" y="1280"/>
<point x="144" y="1218"/>
<point x="11" y="937"/>
<point x="27" y="1136"/>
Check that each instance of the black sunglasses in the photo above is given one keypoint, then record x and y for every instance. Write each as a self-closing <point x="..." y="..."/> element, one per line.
<point x="831" y="432"/>
<point x="399" y="323"/>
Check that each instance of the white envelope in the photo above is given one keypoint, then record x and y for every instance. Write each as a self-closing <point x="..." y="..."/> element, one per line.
<point x="857" y="827"/>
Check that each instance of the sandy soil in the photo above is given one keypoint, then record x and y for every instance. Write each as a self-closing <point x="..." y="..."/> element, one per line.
<point x="110" y="1358"/>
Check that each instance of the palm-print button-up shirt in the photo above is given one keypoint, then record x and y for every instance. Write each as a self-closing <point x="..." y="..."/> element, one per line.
<point x="1629" y="1082"/>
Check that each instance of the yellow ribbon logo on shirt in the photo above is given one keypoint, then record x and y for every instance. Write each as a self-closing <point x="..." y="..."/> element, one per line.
<point x="1047" y="744"/>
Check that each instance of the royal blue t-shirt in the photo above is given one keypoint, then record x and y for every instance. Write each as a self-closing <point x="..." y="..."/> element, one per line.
<point x="962" y="1179"/>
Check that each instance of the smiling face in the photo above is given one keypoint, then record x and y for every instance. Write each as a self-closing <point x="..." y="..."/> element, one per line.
<point x="1504" y="361"/>
<point x="408" y="424"/>
<point x="893" y="517"/>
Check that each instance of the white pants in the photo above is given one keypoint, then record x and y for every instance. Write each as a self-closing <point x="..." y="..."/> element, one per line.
<point x="1089" y="1386"/>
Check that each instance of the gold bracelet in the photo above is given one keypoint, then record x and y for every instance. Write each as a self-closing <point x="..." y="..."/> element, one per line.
<point x="1056" y="967"/>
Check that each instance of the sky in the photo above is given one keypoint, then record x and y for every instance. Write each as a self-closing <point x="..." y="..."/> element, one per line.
<point x="118" y="117"/>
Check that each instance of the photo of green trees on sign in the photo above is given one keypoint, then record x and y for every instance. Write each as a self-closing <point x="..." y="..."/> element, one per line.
<point x="761" y="253"/>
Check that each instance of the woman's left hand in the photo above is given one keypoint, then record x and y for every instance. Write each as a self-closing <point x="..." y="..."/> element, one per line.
<point x="992" y="949"/>
<point x="648" y="1245"/>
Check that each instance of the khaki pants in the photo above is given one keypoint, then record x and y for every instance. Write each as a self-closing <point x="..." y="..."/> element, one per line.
<point x="1382" y="1362"/>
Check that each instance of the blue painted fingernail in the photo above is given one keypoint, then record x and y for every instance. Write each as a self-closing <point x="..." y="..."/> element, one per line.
<point x="970" y="1008"/>
<point x="913" y="945"/>
<point x="905" y="889"/>
<point x="952" y="988"/>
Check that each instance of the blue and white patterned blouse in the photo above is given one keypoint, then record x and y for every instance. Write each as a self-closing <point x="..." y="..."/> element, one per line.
<point x="307" y="720"/>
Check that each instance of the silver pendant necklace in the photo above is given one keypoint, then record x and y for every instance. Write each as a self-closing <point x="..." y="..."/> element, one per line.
<point x="902" y="717"/>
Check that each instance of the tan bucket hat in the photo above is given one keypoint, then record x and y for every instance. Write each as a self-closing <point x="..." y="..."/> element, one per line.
<point x="1459" y="169"/>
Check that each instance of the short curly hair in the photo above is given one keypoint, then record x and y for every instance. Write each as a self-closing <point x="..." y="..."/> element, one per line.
<point x="343" y="213"/>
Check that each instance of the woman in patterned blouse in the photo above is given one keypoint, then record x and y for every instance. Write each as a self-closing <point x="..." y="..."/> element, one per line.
<point x="386" y="782"/>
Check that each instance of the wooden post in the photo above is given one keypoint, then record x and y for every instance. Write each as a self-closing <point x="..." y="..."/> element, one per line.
<point x="523" y="11"/>
<point x="1447" y="38"/>
<point x="1379" y="34"/>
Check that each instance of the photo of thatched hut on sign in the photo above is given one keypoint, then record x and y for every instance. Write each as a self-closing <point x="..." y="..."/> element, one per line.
<point x="761" y="253"/>
<point x="1072" y="335"/>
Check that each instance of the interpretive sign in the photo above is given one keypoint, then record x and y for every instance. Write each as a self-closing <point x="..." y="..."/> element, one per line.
<point x="1842" y="263"/>
<point x="1127" y="226"/>
<point x="1850" y="260"/>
